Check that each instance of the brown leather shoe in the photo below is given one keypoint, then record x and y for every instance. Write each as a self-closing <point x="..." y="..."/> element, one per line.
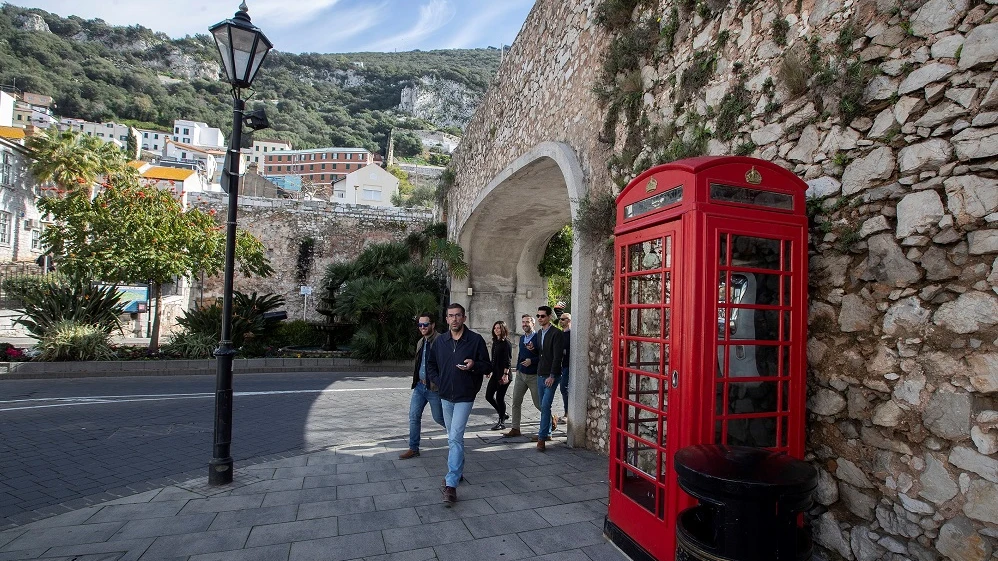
<point x="534" y="438"/>
<point x="554" y="423"/>
<point x="450" y="495"/>
<point x="541" y="447"/>
<point x="512" y="432"/>
<point x="408" y="454"/>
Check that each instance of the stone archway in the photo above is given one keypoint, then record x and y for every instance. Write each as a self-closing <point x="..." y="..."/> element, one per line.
<point x="504" y="237"/>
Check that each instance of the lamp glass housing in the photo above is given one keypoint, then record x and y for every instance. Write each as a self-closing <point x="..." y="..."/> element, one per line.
<point x="242" y="46"/>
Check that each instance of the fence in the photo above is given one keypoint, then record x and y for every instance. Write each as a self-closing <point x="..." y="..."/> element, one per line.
<point x="16" y="277"/>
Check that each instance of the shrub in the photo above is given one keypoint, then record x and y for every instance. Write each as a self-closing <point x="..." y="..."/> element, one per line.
<point x="10" y="353"/>
<point x="75" y="300"/>
<point x="16" y="287"/>
<point x="192" y="345"/>
<point x="72" y="340"/>
<point x="794" y="72"/>
<point x="296" y="333"/>
<point x="247" y="317"/>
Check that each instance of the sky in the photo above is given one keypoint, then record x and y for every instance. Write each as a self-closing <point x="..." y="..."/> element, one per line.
<point x="322" y="26"/>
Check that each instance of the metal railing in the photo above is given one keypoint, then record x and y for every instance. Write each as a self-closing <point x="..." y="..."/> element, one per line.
<point x="14" y="276"/>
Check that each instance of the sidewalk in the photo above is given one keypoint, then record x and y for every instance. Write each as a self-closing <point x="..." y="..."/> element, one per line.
<point x="352" y="502"/>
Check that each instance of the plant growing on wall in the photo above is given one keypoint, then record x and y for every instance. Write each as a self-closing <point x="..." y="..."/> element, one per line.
<point x="556" y="266"/>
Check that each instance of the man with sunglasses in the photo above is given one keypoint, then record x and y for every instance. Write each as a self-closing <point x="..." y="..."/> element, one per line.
<point x="549" y="340"/>
<point x="423" y="391"/>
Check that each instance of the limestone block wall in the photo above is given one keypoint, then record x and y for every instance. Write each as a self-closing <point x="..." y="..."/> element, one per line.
<point x="340" y="232"/>
<point x="889" y="109"/>
<point x="542" y="94"/>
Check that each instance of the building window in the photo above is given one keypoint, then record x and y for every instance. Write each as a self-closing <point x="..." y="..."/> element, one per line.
<point x="323" y="166"/>
<point x="340" y="195"/>
<point x="145" y="135"/>
<point x="348" y="167"/>
<point x="279" y="158"/>
<point x="183" y="155"/>
<point x="257" y="160"/>
<point x="36" y="240"/>
<point x="187" y="131"/>
<point x="322" y="177"/>
<point x="372" y="194"/>
<point x="176" y="130"/>
<point x="155" y="137"/>
<point x="5" y="227"/>
<point x="6" y="168"/>
<point x="349" y="156"/>
<point x="20" y="117"/>
<point x="334" y="166"/>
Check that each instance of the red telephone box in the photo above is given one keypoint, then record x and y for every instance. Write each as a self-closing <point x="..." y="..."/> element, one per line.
<point x="709" y="335"/>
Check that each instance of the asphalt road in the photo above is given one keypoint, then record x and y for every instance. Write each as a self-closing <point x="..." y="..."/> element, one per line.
<point x="65" y="444"/>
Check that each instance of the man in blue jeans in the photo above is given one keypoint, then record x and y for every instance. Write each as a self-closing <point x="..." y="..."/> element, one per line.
<point x="549" y="340"/>
<point x="457" y="364"/>
<point x="422" y="393"/>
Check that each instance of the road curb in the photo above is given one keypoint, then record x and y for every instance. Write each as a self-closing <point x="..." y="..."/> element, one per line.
<point x="205" y="367"/>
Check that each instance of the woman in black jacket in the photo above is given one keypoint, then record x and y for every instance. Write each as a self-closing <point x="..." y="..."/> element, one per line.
<point x="502" y="354"/>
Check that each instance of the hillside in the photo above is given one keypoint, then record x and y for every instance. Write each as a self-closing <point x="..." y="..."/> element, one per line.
<point x="100" y="72"/>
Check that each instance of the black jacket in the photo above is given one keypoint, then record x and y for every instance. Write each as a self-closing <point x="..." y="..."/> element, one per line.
<point x="526" y="353"/>
<point x="502" y="354"/>
<point x="551" y="352"/>
<point x="419" y="358"/>
<point x="441" y="365"/>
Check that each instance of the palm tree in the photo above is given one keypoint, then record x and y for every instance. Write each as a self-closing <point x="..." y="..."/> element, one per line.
<point x="71" y="160"/>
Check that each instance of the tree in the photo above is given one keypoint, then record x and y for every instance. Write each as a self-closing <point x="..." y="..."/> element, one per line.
<point x="408" y="144"/>
<point x="71" y="159"/>
<point x="405" y="186"/>
<point x="132" y="233"/>
<point x="556" y="266"/>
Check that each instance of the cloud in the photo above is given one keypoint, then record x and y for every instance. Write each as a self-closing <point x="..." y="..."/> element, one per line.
<point x="324" y="35"/>
<point x="433" y="15"/>
<point x="488" y="26"/>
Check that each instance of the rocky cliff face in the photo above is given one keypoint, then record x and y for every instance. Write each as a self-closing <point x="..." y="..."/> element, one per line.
<point x="438" y="101"/>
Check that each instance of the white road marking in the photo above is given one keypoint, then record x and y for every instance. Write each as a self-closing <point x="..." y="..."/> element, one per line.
<point x="99" y="399"/>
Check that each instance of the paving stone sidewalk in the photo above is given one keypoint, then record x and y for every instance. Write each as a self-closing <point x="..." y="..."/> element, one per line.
<point x="352" y="502"/>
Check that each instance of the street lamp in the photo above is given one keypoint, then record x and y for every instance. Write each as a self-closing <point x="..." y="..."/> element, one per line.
<point x="243" y="47"/>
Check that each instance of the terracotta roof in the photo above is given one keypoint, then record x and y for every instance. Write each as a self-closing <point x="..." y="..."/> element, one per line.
<point x="171" y="174"/>
<point x="15" y="133"/>
<point x="137" y="164"/>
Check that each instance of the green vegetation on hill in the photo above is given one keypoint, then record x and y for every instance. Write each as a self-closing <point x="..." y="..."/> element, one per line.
<point x="100" y="72"/>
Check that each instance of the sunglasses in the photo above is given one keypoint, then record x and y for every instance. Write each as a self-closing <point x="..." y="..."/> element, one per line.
<point x="542" y="315"/>
<point x="421" y="324"/>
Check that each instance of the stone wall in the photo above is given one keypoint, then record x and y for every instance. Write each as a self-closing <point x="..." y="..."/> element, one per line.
<point x="340" y="232"/>
<point x="889" y="109"/>
<point x="541" y="94"/>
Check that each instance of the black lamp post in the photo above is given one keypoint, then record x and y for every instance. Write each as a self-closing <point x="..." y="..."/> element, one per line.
<point x="243" y="47"/>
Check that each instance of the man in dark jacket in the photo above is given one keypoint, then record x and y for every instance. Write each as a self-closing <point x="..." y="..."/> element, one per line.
<point x="457" y="363"/>
<point x="548" y="338"/>
<point x="526" y="374"/>
<point x="422" y="392"/>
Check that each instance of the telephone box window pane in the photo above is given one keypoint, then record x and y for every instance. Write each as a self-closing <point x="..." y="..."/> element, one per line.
<point x="642" y="423"/>
<point x="749" y="397"/>
<point x="747" y="323"/>
<point x="787" y="247"/>
<point x="643" y="390"/>
<point x="645" y="322"/>
<point x="645" y="356"/>
<point x="722" y="251"/>
<point x="755" y="253"/>
<point x="645" y="289"/>
<point x="748" y="361"/>
<point x="760" y="432"/>
<point x="639" y="489"/>
<point x="746" y="196"/>
<point x="783" y="431"/>
<point x="642" y="457"/>
<point x="786" y="326"/>
<point x="662" y="200"/>
<point x="646" y="255"/>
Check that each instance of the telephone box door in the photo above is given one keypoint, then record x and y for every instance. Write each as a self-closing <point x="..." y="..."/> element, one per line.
<point x="646" y="411"/>
<point x="758" y="381"/>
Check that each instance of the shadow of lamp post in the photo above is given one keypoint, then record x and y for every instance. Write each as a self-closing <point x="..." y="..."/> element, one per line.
<point x="242" y="47"/>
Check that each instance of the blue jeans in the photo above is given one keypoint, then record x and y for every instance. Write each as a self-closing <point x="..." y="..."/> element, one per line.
<point x="547" y="398"/>
<point x="563" y="384"/>
<point x="421" y="395"/>
<point x="456" y="415"/>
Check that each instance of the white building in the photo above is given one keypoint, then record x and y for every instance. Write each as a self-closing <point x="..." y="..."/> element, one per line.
<point x="370" y="185"/>
<point x="6" y="110"/>
<point x="206" y="161"/>
<point x="108" y="132"/>
<point x="20" y="221"/>
<point x="197" y="133"/>
<point x="152" y="140"/>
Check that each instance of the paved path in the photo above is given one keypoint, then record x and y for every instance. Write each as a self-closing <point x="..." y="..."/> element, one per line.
<point x="351" y="502"/>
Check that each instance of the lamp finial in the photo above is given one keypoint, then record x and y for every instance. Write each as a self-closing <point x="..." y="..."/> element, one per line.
<point x="243" y="8"/>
